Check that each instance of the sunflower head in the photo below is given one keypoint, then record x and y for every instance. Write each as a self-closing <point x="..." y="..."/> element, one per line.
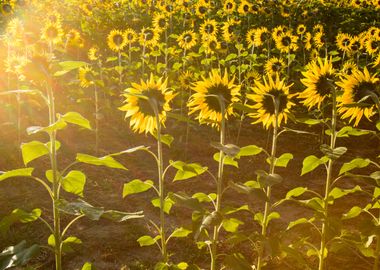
<point x="145" y="102"/>
<point x="349" y="68"/>
<point x="286" y="42"/>
<point x="160" y="22"/>
<point x="274" y="65"/>
<point x="210" y="94"/>
<point x="318" y="79"/>
<point x="93" y="53"/>
<point x="52" y="32"/>
<point x="86" y="76"/>
<point x="361" y="92"/>
<point x="272" y="101"/>
<point x="130" y="35"/>
<point x="149" y="37"/>
<point x="187" y="40"/>
<point x="301" y="29"/>
<point x="208" y="28"/>
<point x="116" y="40"/>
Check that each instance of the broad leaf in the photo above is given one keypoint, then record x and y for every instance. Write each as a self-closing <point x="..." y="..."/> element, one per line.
<point x="88" y="266"/>
<point x="16" y="173"/>
<point x="227" y="160"/>
<point x="249" y="150"/>
<point x="107" y="161"/>
<point x="187" y="170"/>
<point x="58" y="125"/>
<point x="186" y="201"/>
<point x="18" y="215"/>
<point x="299" y="221"/>
<point x="165" y="138"/>
<point x="136" y="186"/>
<point x="76" y="119"/>
<point x="168" y="203"/>
<point x="147" y="240"/>
<point x="333" y="153"/>
<point x="17" y="255"/>
<point x="246" y="189"/>
<point x="355" y="163"/>
<point x="337" y="193"/>
<point x="231" y="224"/>
<point x="267" y="180"/>
<point x="354" y="212"/>
<point x="202" y="197"/>
<point x="74" y="182"/>
<point x="283" y="160"/>
<point x="310" y="163"/>
<point x="33" y="150"/>
<point x="295" y="192"/>
<point x="180" y="232"/>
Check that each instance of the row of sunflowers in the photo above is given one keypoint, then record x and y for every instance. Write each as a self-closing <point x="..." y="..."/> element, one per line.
<point x="292" y="66"/>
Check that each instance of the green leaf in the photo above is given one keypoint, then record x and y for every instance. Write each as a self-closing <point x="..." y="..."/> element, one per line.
<point x="298" y="222"/>
<point x="186" y="201"/>
<point x="347" y="131"/>
<point x="354" y="212"/>
<point x="337" y="193"/>
<point x="68" y="242"/>
<point x="107" y="161"/>
<point x="355" y="163"/>
<point x="16" y="173"/>
<point x="168" y="203"/>
<point x="230" y="57"/>
<point x="228" y="210"/>
<point x="246" y="189"/>
<point x="88" y="266"/>
<point x="237" y="261"/>
<point x="180" y="232"/>
<point x="119" y="216"/>
<point x="295" y="192"/>
<point x="310" y="163"/>
<point x="165" y="138"/>
<point x="17" y="255"/>
<point x="378" y="126"/>
<point x="58" y="125"/>
<point x="333" y="153"/>
<point x="311" y="122"/>
<point x="202" y="197"/>
<point x="33" y="150"/>
<point x="76" y="119"/>
<point x="267" y="180"/>
<point x="249" y="150"/>
<point x="187" y="170"/>
<point x="230" y="150"/>
<point x="136" y="186"/>
<point x="147" y="240"/>
<point x="74" y="182"/>
<point x="231" y="224"/>
<point x="283" y="160"/>
<point x="227" y="160"/>
<point x="71" y="65"/>
<point x="176" y="66"/>
<point x="18" y="215"/>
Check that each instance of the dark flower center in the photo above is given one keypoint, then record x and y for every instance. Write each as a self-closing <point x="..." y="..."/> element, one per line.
<point x="364" y="89"/>
<point x="272" y="96"/>
<point x="7" y="8"/>
<point x="213" y="45"/>
<point x="155" y="96"/>
<point x="223" y="92"/>
<point x="130" y="36"/>
<point x="229" y="5"/>
<point x="263" y="37"/>
<point x="323" y="85"/>
<point x="162" y="22"/>
<point x="118" y="39"/>
<point x="355" y="46"/>
<point x="188" y="38"/>
<point x="374" y="44"/>
<point x="223" y="45"/>
<point x="202" y="10"/>
<point x="209" y="28"/>
<point x="346" y="41"/>
<point x="169" y="8"/>
<point x="52" y="32"/>
<point x="148" y="35"/>
<point x="286" y="41"/>
<point x="276" y="66"/>
<point x="245" y="8"/>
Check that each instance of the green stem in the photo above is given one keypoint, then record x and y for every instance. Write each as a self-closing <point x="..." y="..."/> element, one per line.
<point x="161" y="184"/>
<point x="219" y="191"/>
<point x="96" y="120"/>
<point x="377" y="251"/>
<point x="54" y="167"/>
<point x="322" y="252"/>
<point x="272" y="166"/>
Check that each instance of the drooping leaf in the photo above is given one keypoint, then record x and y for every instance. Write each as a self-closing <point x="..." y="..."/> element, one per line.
<point x="18" y="215"/>
<point x="231" y="224"/>
<point x="16" y="173"/>
<point x="187" y="170"/>
<point x="246" y="189"/>
<point x="298" y="222"/>
<point x="310" y="163"/>
<point x="249" y="150"/>
<point x="337" y="193"/>
<point x="183" y="199"/>
<point x="333" y="153"/>
<point x="202" y="197"/>
<point x="355" y="163"/>
<point x="17" y="255"/>
<point x="168" y="203"/>
<point x="58" y="125"/>
<point x="33" y="150"/>
<point x="227" y="160"/>
<point x="74" y="182"/>
<point x="67" y="244"/>
<point x="76" y="119"/>
<point x="230" y="150"/>
<point x="136" y="186"/>
<point x="107" y="161"/>
<point x="267" y="180"/>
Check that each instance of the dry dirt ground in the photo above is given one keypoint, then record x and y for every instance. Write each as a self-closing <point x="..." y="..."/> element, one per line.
<point x="113" y="246"/>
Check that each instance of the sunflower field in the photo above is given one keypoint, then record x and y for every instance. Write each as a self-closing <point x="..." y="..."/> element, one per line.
<point x="190" y="134"/>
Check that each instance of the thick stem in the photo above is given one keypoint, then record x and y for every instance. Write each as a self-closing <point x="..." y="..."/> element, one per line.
<point x="161" y="190"/>
<point x="272" y="166"/>
<point x="54" y="167"/>
<point x="323" y="247"/>
<point x="219" y="191"/>
<point x="96" y="119"/>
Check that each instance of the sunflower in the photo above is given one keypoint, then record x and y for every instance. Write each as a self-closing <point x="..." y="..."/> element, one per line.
<point x="301" y="29"/>
<point x="139" y="102"/>
<point x="261" y="36"/>
<point x="285" y="11"/>
<point x="250" y="37"/>
<point x="86" y="8"/>
<point x="372" y="46"/>
<point x="314" y="54"/>
<point x="52" y="32"/>
<point x="354" y="45"/>
<point x="211" y="45"/>
<point x="317" y="79"/>
<point x="54" y="17"/>
<point x="160" y="22"/>
<point x="86" y="76"/>
<point x="274" y="65"/>
<point x="376" y="4"/>
<point x="278" y="30"/>
<point x="318" y="28"/>
<point x="244" y="7"/>
<point x="343" y="42"/>
<point x="358" y="90"/>
<point x="286" y="42"/>
<point x="376" y="63"/>
<point x="201" y="9"/>
<point x="187" y="40"/>
<point x="306" y="39"/>
<point x="116" y="40"/>
<point x="74" y="38"/>
<point x="229" y="7"/>
<point x="349" y="67"/>
<point x="7" y="7"/>
<point x="229" y="30"/>
<point x="208" y="28"/>
<point x="185" y="79"/>
<point x="319" y="40"/>
<point x="268" y="96"/>
<point x="148" y="37"/>
<point x="130" y="35"/>
<point x="93" y="53"/>
<point x="205" y="99"/>
<point x="251" y="76"/>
